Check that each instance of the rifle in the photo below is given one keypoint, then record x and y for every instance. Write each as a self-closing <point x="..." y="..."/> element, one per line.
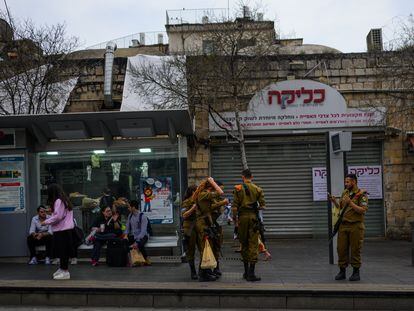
<point x="341" y="215"/>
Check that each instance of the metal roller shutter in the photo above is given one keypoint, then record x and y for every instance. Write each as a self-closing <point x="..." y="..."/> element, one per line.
<point x="284" y="171"/>
<point x="369" y="153"/>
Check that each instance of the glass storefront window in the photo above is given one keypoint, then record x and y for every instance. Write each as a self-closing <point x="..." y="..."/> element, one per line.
<point x="85" y="174"/>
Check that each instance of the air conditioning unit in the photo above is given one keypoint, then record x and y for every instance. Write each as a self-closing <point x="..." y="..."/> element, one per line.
<point x="374" y="40"/>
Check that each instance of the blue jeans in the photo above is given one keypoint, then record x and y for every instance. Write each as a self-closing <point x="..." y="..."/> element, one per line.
<point x="100" y="240"/>
<point x="147" y="204"/>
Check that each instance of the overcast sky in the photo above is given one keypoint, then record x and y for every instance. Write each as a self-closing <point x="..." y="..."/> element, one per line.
<point x="342" y="24"/>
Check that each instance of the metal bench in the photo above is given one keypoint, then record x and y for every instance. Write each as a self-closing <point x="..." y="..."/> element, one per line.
<point x="169" y="241"/>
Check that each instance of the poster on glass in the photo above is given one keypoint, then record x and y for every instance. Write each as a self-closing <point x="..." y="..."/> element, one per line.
<point x="156" y="199"/>
<point x="12" y="184"/>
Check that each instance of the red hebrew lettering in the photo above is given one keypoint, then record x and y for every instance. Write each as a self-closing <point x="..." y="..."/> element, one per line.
<point x="274" y="93"/>
<point x="309" y="93"/>
<point x="321" y="92"/>
<point x="291" y="95"/>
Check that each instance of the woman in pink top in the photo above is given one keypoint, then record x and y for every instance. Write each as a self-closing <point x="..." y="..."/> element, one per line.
<point x="62" y="226"/>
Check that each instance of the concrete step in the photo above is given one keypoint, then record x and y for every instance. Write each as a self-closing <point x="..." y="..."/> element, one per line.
<point x="214" y="295"/>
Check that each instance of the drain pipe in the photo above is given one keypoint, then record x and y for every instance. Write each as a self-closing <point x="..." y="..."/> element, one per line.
<point x="109" y="64"/>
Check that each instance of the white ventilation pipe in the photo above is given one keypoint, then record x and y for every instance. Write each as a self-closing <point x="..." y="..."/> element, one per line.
<point x="109" y="64"/>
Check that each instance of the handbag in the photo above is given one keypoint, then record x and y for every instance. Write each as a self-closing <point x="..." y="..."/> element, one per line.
<point x="208" y="261"/>
<point x="137" y="259"/>
<point x="78" y="236"/>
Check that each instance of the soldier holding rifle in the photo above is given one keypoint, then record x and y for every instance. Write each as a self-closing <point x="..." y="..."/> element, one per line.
<point x="353" y="205"/>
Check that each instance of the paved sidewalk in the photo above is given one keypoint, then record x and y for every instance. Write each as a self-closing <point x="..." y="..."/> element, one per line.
<point x="295" y="262"/>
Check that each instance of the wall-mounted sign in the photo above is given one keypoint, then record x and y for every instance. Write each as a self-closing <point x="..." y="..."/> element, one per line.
<point x="300" y="104"/>
<point x="319" y="183"/>
<point x="369" y="178"/>
<point x="12" y="192"/>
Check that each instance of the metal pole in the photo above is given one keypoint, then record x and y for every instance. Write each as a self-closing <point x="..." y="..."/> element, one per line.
<point x="329" y="204"/>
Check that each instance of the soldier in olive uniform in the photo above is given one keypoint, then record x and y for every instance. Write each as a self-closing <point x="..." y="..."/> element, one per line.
<point x="217" y="210"/>
<point x="205" y="196"/>
<point x="248" y="198"/>
<point x="351" y="230"/>
<point x="188" y="212"/>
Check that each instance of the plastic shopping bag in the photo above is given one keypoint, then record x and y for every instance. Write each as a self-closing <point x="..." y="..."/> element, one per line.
<point x="208" y="261"/>
<point x="137" y="259"/>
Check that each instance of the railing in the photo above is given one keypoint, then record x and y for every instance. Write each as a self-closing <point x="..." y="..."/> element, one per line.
<point x="136" y="39"/>
<point x="196" y="16"/>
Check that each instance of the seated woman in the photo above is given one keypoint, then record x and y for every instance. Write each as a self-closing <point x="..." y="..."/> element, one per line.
<point x="107" y="226"/>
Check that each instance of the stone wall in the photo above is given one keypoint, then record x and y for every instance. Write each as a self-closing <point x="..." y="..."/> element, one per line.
<point x="358" y="77"/>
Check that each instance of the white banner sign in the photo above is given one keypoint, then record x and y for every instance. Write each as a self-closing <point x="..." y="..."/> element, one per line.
<point x="299" y="104"/>
<point x="369" y="178"/>
<point x="319" y="183"/>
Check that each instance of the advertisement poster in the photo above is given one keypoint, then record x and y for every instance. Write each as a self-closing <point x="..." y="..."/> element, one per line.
<point x="319" y="183"/>
<point x="369" y="178"/>
<point x="12" y="195"/>
<point x="157" y="199"/>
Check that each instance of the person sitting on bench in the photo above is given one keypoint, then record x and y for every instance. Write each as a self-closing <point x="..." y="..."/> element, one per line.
<point x="39" y="235"/>
<point x="107" y="226"/>
<point x="136" y="229"/>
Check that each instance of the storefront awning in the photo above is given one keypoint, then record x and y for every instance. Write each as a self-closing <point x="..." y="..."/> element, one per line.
<point x="107" y="125"/>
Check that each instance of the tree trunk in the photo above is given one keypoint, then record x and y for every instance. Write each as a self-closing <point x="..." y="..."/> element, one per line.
<point x="241" y="140"/>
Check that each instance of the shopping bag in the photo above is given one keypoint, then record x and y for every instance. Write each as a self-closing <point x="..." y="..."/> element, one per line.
<point x="208" y="261"/>
<point x="137" y="259"/>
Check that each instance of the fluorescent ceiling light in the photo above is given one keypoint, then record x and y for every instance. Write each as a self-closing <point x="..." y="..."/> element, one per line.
<point x="99" y="152"/>
<point x="145" y="150"/>
<point x="52" y="153"/>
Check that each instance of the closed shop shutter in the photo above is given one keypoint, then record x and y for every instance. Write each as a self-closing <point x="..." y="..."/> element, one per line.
<point x="369" y="153"/>
<point x="284" y="171"/>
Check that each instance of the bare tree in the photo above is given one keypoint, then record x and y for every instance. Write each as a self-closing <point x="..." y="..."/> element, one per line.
<point x="36" y="76"/>
<point x="212" y="73"/>
<point x="395" y="73"/>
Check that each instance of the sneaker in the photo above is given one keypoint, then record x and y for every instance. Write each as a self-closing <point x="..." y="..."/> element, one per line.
<point x="74" y="261"/>
<point x="147" y="262"/>
<point x="47" y="261"/>
<point x="33" y="261"/>
<point x="64" y="275"/>
<point x="58" y="271"/>
<point x="94" y="262"/>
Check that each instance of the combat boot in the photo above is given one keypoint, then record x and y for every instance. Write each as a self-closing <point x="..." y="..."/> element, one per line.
<point x="204" y="276"/>
<point x="217" y="271"/>
<point x="355" y="275"/>
<point x="194" y="275"/>
<point x="246" y="269"/>
<point x="341" y="274"/>
<point x="251" y="277"/>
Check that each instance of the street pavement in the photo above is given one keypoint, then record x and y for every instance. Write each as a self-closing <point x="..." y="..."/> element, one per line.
<point x="295" y="262"/>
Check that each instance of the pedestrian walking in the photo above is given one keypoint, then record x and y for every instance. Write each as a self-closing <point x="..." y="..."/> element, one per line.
<point x="62" y="225"/>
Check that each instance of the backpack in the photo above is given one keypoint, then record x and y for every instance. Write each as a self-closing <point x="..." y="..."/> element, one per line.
<point x="149" y="227"/>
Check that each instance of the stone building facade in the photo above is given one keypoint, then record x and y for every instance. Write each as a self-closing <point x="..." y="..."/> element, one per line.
<point x="357" y="76"/>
